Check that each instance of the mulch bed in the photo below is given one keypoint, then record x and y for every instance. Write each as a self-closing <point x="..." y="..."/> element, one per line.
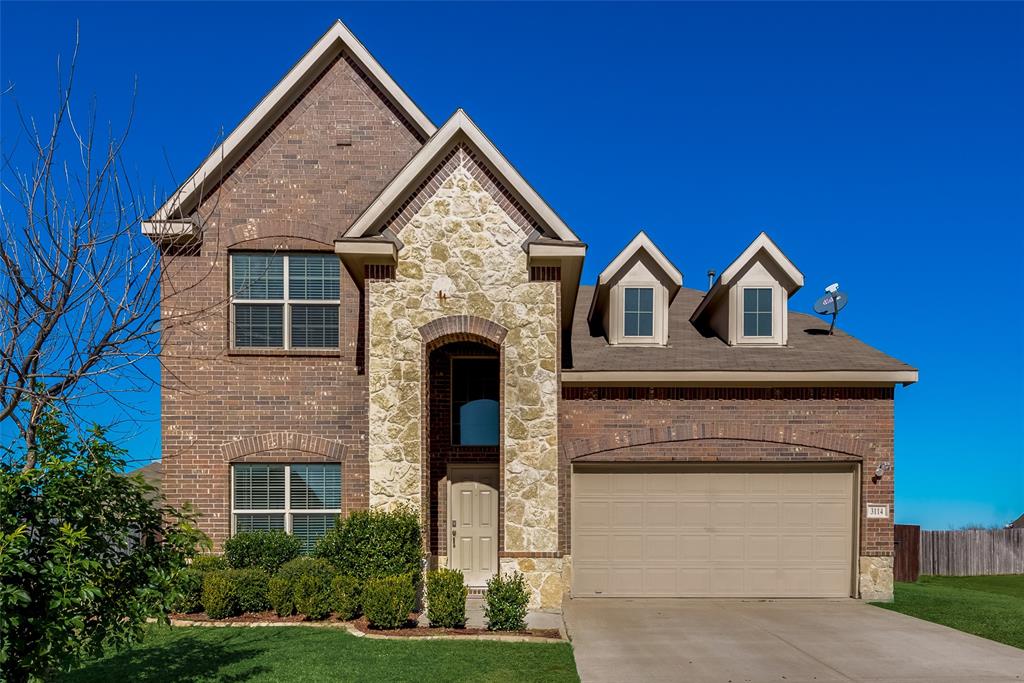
<point x="408" y="631"/>
<point x="246" y="618"/>
<point x="412" y="630"/>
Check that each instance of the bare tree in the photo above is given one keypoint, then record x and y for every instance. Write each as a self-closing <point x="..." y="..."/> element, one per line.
<point x="79" y="283"/>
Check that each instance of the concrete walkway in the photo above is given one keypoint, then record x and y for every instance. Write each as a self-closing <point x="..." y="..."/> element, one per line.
<point x="735" y="641"/>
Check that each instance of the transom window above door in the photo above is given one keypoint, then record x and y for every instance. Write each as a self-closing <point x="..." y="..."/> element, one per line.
<point x="285" y="301"/>
<point x="638" y="312"/>
<point x="304" y="500"/>
<point x="475" y="401"/>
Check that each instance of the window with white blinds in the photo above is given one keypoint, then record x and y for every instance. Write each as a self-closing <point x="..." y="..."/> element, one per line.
<point x="304" y="500"/>
<point x="285" y="301"/>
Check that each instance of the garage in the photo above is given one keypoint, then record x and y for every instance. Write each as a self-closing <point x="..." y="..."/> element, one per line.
<point x="751" y="531"/>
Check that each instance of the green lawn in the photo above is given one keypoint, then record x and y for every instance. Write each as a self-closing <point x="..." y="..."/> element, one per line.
<point x="988" y="606"/>
<point x="182" y="654"/>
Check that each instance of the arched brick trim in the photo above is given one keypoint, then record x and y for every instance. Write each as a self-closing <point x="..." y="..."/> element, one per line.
<point x="284" y="441"/>
<point x="691" y="431"/>
<point x="268" y="234"/>
<point x="455" y="328"/>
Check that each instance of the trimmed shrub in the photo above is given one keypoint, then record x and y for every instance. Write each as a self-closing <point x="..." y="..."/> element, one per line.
<point x="346" y="595"/>
<point x="282" y="586"/>
<point x="209" y="563"/>
<point x="371" y="543"/>
<point x="282" y="597"/>
<point x="190" y="591"/>
<point x="506" y="601"/>
<point x="220" y="597"/>
<point x="252" y="589"/>
<point x="267" y="550"/>
<point x="446" y="598"/>
<point x="313" y="596"/>
<point x="387" y="600"/>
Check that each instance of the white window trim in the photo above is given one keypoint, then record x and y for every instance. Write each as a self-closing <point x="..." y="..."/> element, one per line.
<point x="287" y="510"/>
<point x="743" y="313"/>
<point x="779" y="314"/>
<point x="286" y="318"/>
<point x="654" y="312"/>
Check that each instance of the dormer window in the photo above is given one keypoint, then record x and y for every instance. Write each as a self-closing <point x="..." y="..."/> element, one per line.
<point x="757" y="312"/>
<point x="749" y="302"/>
<point x="631" y="304"/>
<point x="638" y="312"/>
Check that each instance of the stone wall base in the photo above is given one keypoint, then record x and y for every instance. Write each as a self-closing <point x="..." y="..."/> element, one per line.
<point x="876" y="579"/>
<point x="545" y="577"/>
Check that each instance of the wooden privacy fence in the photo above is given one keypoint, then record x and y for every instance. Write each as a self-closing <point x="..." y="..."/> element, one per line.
<point x="907" y="563"/>
<point x="972" y="553"/>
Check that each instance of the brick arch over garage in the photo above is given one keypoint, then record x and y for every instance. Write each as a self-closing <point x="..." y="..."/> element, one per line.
<point x="295" y="445"/>
<point x="607" y="444"/>
<point x="462" y="328"/>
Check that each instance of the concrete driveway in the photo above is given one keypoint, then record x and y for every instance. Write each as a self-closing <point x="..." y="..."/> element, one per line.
<point x="739" y="641"/>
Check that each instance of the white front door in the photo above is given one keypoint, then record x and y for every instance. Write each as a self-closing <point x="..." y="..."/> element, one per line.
<point x="473" y="522"/>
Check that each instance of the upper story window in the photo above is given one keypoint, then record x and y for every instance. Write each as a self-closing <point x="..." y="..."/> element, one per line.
<point x="285" y="301"/>
<point x="638" y="312"/>
<point x="757" y="312"/>
<point x="303" y="500"/>
<point x="475" y="395"/>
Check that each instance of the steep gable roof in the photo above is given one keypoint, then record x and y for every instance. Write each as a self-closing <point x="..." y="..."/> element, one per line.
<point x="458" y="128"/>
<point x="290" y="88"/>
<point x="761" y="243"/>
<point x="641" y="243"/>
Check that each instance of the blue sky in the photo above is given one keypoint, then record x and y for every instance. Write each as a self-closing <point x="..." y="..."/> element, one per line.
<point x="881" y="145"/>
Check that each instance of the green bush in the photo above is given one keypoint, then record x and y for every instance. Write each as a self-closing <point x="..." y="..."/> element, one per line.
<point x="268" y="550"/>
<point x="313" y="596"/>
<point x="209" y="563"/>
<point x="282" y="597"/>
<point x="446" y="598"/>
<point x="282" y="586"/>
<point x="87" y="554"/>
<point x="252" y="590"/>
<point x="371" y="544"/>
<point x="387" y="600"/>
<point x="505" y="603"/>
<point x="190" y="591"/>
<point x="220" y="594"/>
<point x="346" y="595"/>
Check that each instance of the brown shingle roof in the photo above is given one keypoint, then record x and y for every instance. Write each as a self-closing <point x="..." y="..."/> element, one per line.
<point x="809" y="348"/>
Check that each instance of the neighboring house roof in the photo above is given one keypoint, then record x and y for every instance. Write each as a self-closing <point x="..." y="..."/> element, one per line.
<point x="1017" y="523"/>
<point x="458" y="127"/>
<point x="288" y="90"/>
<point x="152" y="473"/>
<point x="691" y="356"/>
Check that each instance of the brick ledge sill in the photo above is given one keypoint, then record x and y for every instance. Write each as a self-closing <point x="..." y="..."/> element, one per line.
<point x="286" y="353"/>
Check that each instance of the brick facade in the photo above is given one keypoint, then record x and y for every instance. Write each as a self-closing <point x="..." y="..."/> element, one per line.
<point x="315" y="170"/>
<point x="311" y="174"/>
<point x="734" y="425"/>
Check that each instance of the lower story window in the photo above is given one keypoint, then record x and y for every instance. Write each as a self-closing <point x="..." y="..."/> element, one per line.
<point x="304" y="500"/>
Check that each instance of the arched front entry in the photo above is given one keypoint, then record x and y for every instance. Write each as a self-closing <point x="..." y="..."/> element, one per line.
<point x="463" y="436"/>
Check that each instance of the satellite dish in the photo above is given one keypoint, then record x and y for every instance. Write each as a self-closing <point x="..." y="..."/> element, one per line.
<point x="830" y="303"/>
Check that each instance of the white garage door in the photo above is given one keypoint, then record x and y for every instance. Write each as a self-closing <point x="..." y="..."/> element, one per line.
<point x="727" y="533"/>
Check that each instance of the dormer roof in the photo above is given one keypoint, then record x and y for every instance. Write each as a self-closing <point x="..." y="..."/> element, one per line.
<point x="641" y="243"/>
<point x="762" y="244"/>
<point x="288" y="90"/>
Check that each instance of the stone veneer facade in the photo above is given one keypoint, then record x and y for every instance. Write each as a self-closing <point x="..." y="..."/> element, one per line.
<point x="315" y="170"/>
<point x="463" y="256"/>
